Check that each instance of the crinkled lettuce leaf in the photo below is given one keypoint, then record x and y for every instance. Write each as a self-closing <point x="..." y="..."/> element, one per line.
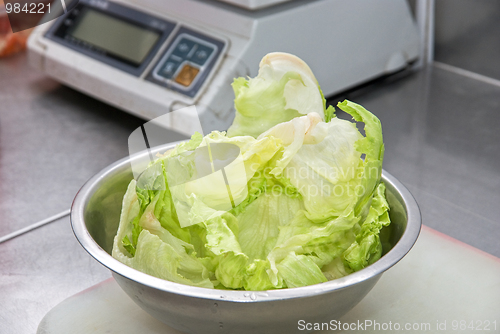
<point x="285" y="88"/>
<point x="157" y="252"/>
<point x="260" y="223"/>
<point x="372" y="145"/>
<point x="367" y="248"/>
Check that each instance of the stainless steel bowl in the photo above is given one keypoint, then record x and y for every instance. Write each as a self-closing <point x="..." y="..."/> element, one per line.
<point x="95" y="215"/>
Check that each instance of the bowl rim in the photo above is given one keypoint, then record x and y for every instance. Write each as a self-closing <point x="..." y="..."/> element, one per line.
<point x="392" y="257"/>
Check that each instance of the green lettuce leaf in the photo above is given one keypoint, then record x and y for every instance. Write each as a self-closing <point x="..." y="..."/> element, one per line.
<point x="300" y="270"/>
<point x="367" y="247"/>
<point x="372" y="145"/>
<point x="285" y="88"/>
<point x="123" y="249"/>
<point x="260" y="223"/>
<point x="167" y="257"/>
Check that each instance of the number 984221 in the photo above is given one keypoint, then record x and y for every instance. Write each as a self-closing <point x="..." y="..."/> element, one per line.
<point x="27" y="8"/>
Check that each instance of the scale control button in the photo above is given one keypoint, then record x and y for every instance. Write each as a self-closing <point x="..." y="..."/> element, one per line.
<point x="187" y="75"/>
<point x="183" y="47"/>
<point x="169" y="67"/>
<point x="202" y="53"/>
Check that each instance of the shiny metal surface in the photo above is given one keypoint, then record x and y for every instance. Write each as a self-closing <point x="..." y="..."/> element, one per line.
<point x="95" y="216"/>
<point x="52" y="140"/>
<point x="466" y="35"/>
<point x="40" y="269"/>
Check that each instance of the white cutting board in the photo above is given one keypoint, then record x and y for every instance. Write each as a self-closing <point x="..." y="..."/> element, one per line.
<point x="441" y="282"/>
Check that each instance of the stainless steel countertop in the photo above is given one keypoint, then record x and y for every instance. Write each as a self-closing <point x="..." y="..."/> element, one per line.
<point x="442" y="142"/>
<point x="52" y="139"/>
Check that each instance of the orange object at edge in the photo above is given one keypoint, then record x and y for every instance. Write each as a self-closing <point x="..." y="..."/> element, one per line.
<point x="10" y="43"/>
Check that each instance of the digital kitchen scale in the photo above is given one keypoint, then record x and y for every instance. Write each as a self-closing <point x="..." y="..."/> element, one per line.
<point x="149" y="57"/>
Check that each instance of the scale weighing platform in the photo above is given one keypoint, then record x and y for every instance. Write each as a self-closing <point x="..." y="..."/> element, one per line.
<point x="438" y="287"/>
<point x="150" y="57"/>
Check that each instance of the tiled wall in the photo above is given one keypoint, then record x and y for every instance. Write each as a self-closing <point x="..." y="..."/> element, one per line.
<point x="467" y="35"/>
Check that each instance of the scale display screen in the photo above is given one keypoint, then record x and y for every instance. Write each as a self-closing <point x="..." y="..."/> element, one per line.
<point x="130" y="40"/>
<point x="117" y="37"/>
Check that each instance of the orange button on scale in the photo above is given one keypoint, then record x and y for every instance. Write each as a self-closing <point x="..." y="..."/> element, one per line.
<point x="187" y="75"/>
